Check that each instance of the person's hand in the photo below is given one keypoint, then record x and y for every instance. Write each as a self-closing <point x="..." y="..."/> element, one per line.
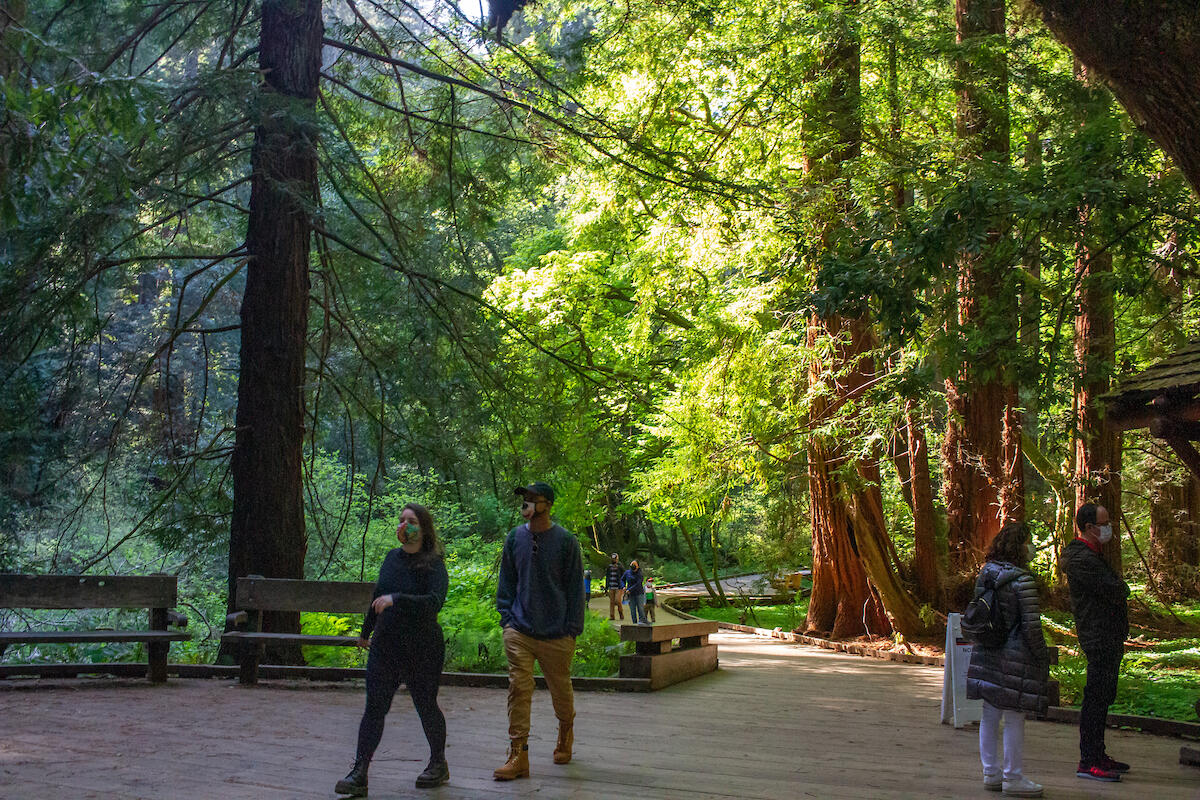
<point x="364" y="644"/>
<point x="384" y="601"/>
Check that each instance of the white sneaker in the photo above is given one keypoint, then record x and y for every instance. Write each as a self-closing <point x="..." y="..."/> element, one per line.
<point x="993" y="783"/>
<point x="1022" y="788"/>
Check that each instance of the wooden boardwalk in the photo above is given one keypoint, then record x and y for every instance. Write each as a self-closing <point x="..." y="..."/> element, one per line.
<point x="777" y="721"/>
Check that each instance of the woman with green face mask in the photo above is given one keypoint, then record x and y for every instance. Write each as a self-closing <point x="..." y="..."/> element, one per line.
<point x="406" y="644"/>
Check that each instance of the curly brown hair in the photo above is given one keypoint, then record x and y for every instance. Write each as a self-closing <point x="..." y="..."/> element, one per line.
<point x="1010" y="545"/>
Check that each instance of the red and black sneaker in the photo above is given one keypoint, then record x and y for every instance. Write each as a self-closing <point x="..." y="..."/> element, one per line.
<point x="1112" y="765"/>
<point x="1096" y="772"/>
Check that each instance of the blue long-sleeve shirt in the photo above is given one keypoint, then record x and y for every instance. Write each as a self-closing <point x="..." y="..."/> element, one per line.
<point x="418" y="591"/>
<point x="540" y="590"/>
<point x="631" y="582"/>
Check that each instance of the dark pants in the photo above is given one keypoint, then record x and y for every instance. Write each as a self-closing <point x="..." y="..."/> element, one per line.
<point x="416" y="658"/>
<point x="1099" y="692"/>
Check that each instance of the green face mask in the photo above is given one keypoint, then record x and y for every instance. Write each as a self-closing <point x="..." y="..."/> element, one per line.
<point x="411" y="529"/>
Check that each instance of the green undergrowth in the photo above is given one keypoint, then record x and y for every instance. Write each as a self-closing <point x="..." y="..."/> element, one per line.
<point x="786" y="616"/>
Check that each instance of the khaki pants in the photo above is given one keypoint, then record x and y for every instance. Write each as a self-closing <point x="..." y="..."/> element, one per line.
<point x="555" y="657"/>
<point x="614" y="602"/>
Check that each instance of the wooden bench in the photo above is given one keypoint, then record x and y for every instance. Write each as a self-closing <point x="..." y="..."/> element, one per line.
<point x="158" y="593"/>
<point x="256" y="594"/>
<point x="657" y="657"/>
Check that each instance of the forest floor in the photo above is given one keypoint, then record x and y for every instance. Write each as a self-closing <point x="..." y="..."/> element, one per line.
<point x="775" y="721"/>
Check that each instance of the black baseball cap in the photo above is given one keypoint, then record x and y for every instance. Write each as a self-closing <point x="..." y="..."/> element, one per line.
<point x="537" y="489"/>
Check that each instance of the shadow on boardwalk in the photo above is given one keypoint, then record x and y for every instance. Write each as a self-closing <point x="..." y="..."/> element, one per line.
<point x="777" y="721"/>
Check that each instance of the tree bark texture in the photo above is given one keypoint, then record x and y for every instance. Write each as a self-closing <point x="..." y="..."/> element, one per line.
<point x="267" y="535"/>
<point x="1147" y="52"/>
<point x="982" y="449"/>
<point x="925" y="568"/>
<point x="842" y="601"/>
<point x="1174" y="554"/>
<point x="1097" y="447"/>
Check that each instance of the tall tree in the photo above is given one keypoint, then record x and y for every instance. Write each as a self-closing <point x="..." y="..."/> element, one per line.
<point x="1098" y="446"/>
<point x="267" y="534"/>
<point x="982" y="449"/>
<point x="1147" y="51"/>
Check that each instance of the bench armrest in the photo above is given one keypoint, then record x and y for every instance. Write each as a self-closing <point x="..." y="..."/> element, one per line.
<point x="237" y="619"/>
<point x="175" y="619"/>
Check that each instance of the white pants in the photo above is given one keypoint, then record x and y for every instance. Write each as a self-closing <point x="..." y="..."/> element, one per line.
<point x="1014" y="742"/>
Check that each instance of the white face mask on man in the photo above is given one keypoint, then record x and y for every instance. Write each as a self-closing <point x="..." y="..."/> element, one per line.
<point x="1105" y="535"/>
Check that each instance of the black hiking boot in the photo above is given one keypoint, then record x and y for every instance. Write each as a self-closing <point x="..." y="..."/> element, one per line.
<point x="437" y="773"/>
<point x="355" y="783"/>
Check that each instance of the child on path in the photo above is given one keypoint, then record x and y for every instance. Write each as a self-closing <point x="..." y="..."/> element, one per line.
<point x="650" y="600"/>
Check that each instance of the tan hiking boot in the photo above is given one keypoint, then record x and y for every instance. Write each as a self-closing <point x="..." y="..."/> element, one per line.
<point x="566" y="738"/>
<point x="517" y="765"/>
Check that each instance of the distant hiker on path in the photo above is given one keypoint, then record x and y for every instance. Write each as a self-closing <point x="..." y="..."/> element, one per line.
<point x="540" y="599"/>
<point x="635" y="590"/>
<point x="612" y="585"/>
<point x="405" y="640"/>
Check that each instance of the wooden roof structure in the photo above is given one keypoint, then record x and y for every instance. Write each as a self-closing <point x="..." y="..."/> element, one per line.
<point x="1164" y="398"/>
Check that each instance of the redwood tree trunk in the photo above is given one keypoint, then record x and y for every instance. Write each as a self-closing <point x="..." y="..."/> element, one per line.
<point x="1098" y="447"/>
<point x="267" y="535"/>
<point x="926" y="569"/>
<point x="842" y="603"/>
<point x="982" y="450"/>
<point x="1147" y="52"/>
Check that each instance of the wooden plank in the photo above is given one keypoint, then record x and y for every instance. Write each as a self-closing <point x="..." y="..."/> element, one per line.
<point x="121" y="669"/>
<point x="65" y="637"/>
<point x="670" y="668"/>
<point x="87" y="591"/>
<point x="301" y="638"/>
<point x="282" y="594"/>
<point x="659" y="633"/>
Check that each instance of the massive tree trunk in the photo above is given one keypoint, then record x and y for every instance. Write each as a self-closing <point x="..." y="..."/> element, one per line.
<point x="842" y="603"/>
<point x="1147" y="52"/>
<point x="1097" y="447"/>
<point x="982" y="449"/>
<point x="267" y="535"/>
<point x="926" y="568"/>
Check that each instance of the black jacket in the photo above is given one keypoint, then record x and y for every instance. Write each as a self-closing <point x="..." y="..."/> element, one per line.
<point x="1098" y="598"/>
<point x="1014" y="675"/>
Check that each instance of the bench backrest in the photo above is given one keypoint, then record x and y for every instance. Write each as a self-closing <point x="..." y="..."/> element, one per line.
<point x="87" y="591"/>
<point x="284" y="594"/>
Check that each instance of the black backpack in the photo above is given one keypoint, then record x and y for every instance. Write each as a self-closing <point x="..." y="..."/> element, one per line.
<point x="983" y="621"/>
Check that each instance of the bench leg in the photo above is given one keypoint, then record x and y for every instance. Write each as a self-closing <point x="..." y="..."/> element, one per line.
<point x="249" y="654"/>
<point x="158" y="661"/>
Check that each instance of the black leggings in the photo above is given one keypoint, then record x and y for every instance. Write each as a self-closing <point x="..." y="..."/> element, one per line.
<point x="416" y="658"/>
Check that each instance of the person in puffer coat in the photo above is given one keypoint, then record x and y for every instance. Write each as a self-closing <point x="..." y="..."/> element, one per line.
<point x="1010" y="679"/>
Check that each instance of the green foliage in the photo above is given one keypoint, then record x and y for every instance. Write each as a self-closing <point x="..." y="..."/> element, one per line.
<point x="787" y="616"/>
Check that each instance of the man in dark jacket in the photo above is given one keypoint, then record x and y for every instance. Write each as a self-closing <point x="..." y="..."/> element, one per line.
<point x="1098" y="601"/>
<point x="540" y="598"/>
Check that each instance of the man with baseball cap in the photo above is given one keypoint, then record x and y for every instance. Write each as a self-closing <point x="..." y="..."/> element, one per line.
<point x="540" y="599"/>
<point x="612" y="585"/>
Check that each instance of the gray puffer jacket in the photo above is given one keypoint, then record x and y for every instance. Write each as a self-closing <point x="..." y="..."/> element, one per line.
<point x="1012" y="676"/>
